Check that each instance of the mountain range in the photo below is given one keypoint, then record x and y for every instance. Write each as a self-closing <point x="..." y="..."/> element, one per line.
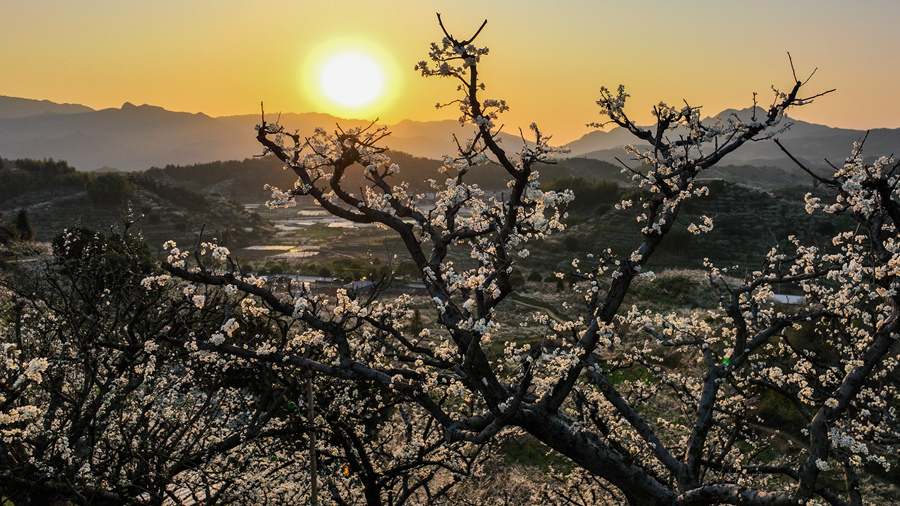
<point x="133" y="138"/>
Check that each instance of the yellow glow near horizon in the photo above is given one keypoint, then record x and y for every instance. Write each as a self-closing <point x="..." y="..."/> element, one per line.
<point x="350" y="78"/>
<point x="548" y="59"/>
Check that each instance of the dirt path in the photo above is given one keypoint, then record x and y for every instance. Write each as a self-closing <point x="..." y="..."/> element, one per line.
<point x="545" y="309"/>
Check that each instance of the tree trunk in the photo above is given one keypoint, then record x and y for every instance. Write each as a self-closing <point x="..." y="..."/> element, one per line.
<point x="590" y="452"/>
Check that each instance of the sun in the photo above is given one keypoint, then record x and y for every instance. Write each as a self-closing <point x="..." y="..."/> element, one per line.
<point x="351" y="79"/>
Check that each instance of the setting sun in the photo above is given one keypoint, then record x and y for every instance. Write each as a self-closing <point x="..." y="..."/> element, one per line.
<point x="351" y="79"/>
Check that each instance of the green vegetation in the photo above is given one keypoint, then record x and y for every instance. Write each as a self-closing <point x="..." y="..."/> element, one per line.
<point x="245" y="180"/>
<point x="741" y="215"/>
<point x="50" y="195"/>
<point x="19" y="229"/>
<point x="589" y="194"/>
<point x="22" y="226"/>
<point x="110" y="189"/>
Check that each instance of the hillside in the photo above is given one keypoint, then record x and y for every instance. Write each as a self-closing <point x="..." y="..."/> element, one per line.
<point x="56" y="196"/>
<point x="245" y="180"/>
<point x="748" y="222"/>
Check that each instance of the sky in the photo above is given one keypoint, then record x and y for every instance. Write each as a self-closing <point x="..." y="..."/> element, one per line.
<point x="224" y="57"/>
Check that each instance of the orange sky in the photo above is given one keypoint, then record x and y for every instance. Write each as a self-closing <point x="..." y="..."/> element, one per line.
<point x="223" y="57"/>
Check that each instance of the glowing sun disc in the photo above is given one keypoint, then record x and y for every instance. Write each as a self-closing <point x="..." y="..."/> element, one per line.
<point x="351" y="79"/>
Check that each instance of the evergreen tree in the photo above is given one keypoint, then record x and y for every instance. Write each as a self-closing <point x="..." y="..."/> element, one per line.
<point x="22" y="226"/>
<point x="7" y="234"/>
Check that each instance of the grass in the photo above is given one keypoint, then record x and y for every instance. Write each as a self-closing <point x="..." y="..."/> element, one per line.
<point x="526" y="450"/>
<point x="631" y="373"/>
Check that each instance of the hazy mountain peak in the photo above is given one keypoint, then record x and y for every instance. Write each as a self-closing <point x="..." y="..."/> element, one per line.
<point x="14" y="107"/>
<point x="128" y="106"/>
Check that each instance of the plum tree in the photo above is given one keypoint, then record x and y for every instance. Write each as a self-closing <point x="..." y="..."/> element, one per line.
<point x="679" y="435"/>
<point x="105" y="399"/>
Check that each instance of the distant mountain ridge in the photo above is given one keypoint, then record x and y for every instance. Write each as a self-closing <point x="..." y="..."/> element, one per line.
<point x="133" y="138"/>
<point x="12" y="108"/>
<point x="136" y="137"/>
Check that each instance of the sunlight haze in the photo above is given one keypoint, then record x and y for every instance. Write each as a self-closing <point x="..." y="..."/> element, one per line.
<point x="548" y="62"/>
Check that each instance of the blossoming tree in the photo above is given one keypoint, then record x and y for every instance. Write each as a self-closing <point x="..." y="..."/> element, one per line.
<point x="685" y="435"/>
<point x="707" y="448"/>
<point x="105" y="399"/>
